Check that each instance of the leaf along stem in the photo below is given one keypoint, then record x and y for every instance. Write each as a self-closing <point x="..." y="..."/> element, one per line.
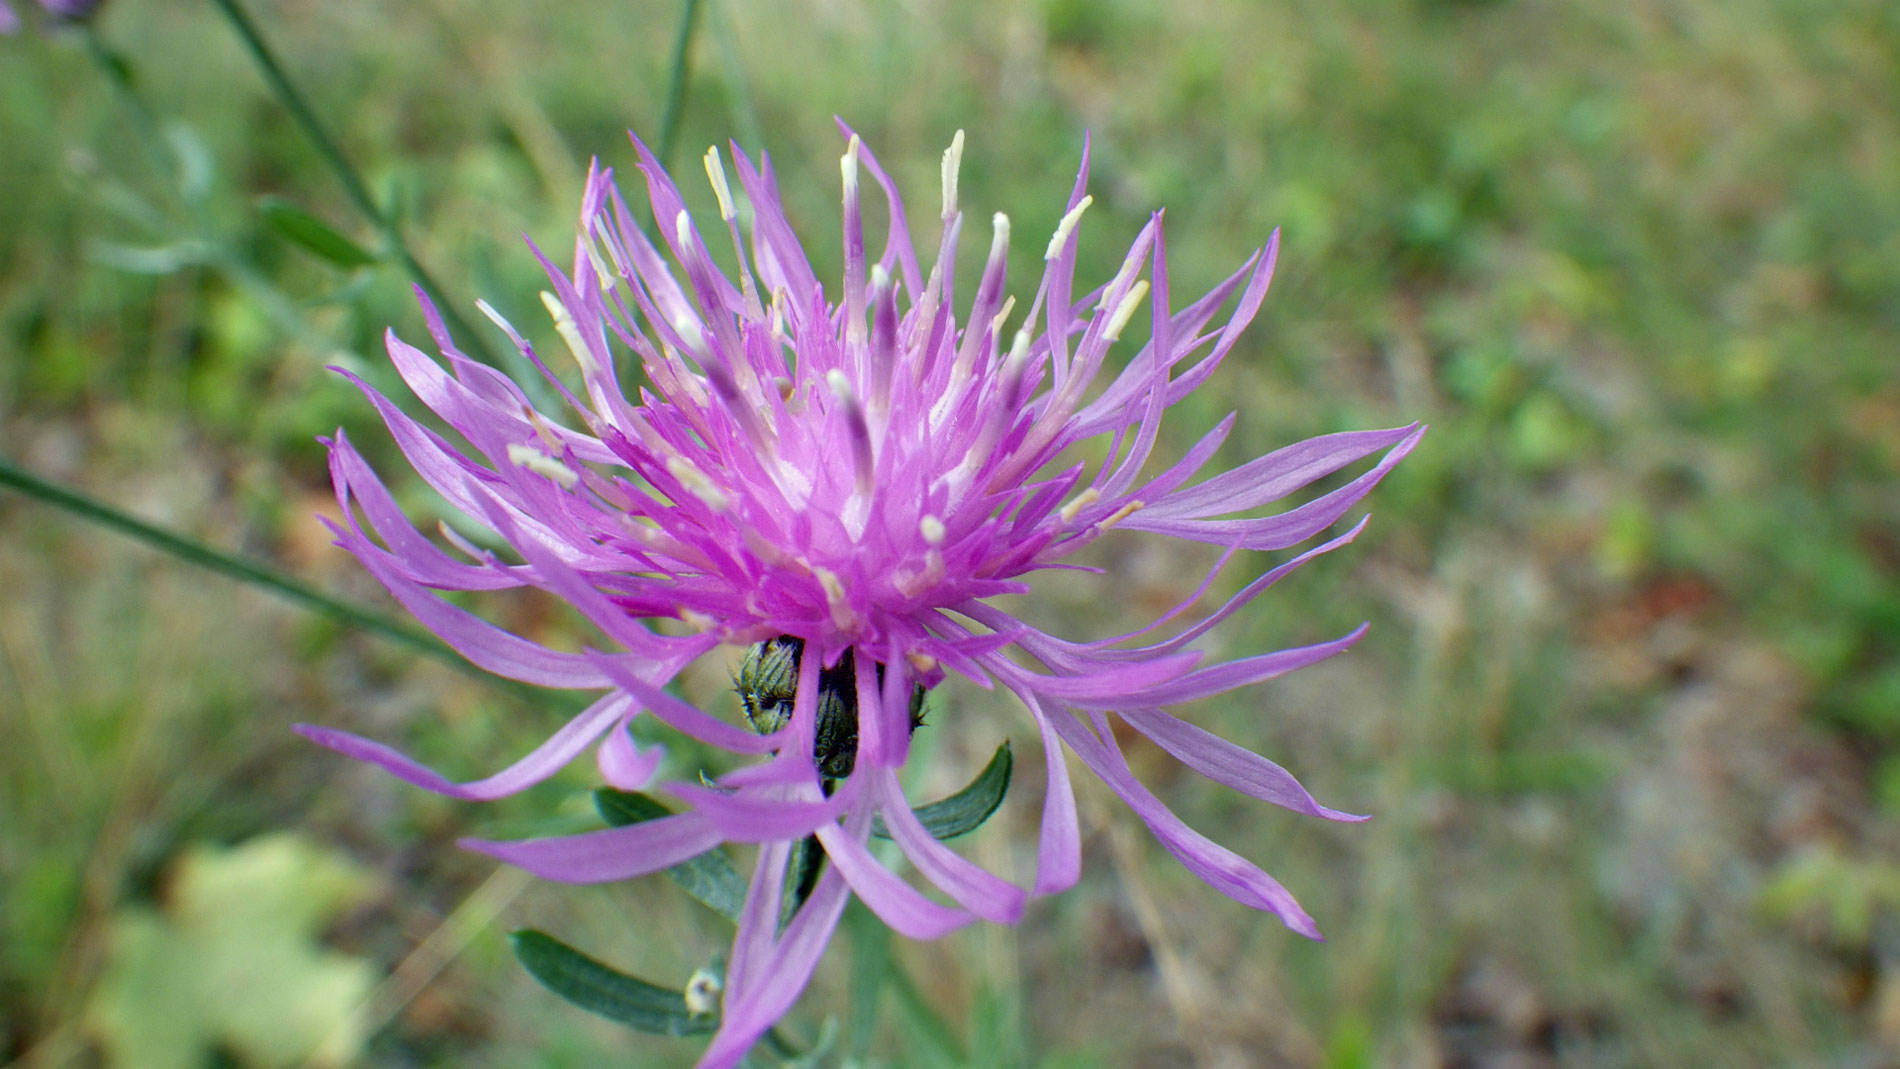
<point x="346" y="173"/>
<point x="255" y="573"/>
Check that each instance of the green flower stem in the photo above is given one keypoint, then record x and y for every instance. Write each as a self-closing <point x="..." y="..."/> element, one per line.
<point x="675" y="107"/>
<point x="253" y="573"/>
<point x="782" y="1047"/>
<point x="346" y="173"/>
<point x="143" y="120"/>
<point x="217" y="252"/>
<point x="744" y="115"/>
<point x="928" y="1025"/>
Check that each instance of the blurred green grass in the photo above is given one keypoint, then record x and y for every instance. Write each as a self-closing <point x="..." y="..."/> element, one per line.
<point x="1632" y="681"/>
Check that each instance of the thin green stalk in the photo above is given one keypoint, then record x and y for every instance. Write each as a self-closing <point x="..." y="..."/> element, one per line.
<point x="353" y="185"/>
<point x="218" y="253"/>
<point x="150" y="141"/>
<point x="744" y="115"/>
<point x="674" y="109"/>
<point x="870" y="964"/>
<point x="782" y="1046"/>
<point x="252" y="572"/>
<point x="927" y="1025"/>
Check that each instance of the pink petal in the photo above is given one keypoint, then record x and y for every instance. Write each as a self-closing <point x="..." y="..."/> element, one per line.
<point x="545" y="760"/>
<point x="1224" y="762"/>
<point x="610" y="854"/>
<point x="895" y="902"/>
<point x="1225" y="677"/>
<point x="972" y="886"/>
<point x="753" y="1007"/>
<point x="1224" y="870"/>
<point x="746" y="817"/>
<point x="623" y="765"/>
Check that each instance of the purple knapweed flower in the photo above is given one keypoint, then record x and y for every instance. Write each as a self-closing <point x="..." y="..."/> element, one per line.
<point x="61" y="10"/>
<point x="860" y="473"/>
<point x="71" y="10"/>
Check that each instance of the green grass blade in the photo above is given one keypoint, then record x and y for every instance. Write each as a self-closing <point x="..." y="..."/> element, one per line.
<point x="931" y="1039"/>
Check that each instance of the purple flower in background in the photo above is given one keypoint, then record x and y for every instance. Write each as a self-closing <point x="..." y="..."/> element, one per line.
<point x="71" y="10"/>
<point x="64" y="10"/>
<point x="841" y="484"/>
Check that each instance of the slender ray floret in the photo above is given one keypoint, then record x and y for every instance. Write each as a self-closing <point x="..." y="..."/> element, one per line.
<point x="840" y="483"/>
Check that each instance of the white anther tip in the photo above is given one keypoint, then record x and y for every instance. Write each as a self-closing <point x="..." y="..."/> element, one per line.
<point x="849" y="165"/>
<point x="716" y="174"/>
<point x="1067" y="227"/>
<point x="952" y="163"/>
<point x="840" y="386"/>
<point x="526" y="456"/>
<point x="1125" y="310"/>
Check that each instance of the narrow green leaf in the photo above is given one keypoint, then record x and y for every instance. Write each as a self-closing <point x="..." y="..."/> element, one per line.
<point x="621" y="808"/>
<point x="117" y="66"/>
<point x="195" y="168"/>
<point x="966" y="810"/>
<point x="818" y="1057"/>
<point x="608" y="992"/>
<point x="801" y="878"/>
<point x="312" y="234"/>
<point x="709" y="877"/>
<point x="128" y="204"/>
<point x="346" y="173"/>
<point x="150" y="259"/>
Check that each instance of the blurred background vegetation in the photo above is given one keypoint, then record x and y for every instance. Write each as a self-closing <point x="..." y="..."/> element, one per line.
<point x="1627" y="715"/>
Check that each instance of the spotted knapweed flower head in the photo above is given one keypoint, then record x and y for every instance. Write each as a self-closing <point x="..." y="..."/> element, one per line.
<point x="840" y="483"/>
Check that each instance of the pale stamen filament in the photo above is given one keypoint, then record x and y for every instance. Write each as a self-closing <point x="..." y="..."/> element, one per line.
<point x="952" y="163"/>
<point x="1066" y="227"/>
<point x="716" y="174"/>
<point x="842" y="615"/>
<point x="570" y="333"/>
<point x="853" y="247"/>
<point x="1125" y="310"/>
<point x="1082" y="500"/>
<point x="527" y="456"/>
<point x="861" y="457"/>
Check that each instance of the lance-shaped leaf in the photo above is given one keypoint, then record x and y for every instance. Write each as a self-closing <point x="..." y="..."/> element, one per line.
<point x="801" y="877"/>
<point x="966" y="810"/>
<point x="709" y="877"/>
<point x="608" y="992"/>
<point x="312" y="234"/>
